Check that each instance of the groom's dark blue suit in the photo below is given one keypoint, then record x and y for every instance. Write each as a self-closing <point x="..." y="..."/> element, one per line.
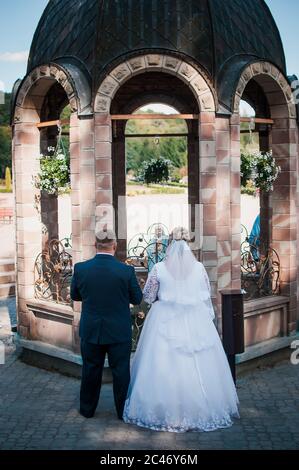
<point x="106" y="288"/>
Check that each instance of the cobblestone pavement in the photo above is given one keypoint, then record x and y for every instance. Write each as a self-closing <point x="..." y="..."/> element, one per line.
<point x="38" y="410"/>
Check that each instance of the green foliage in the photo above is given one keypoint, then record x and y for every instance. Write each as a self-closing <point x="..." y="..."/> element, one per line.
<point x="157" y="170"/>
<point x="246" y="168"/>
<point x="65" y="115"/>
<point x="5" y="111"/>
<point x="8" y="179"/>
<point x="249" y="189"/>
<point x="5" y="135"/>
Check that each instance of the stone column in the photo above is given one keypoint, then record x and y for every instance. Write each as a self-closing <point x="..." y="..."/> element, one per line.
<point x="26" y="150"/>
<point x="223" y="210"/>
<point x="284" y="145"/>
<point x="103" y="155"/>
<point x="207" y="187"/>
<point x="82" y="197"/>
<point x="235" y="201"/>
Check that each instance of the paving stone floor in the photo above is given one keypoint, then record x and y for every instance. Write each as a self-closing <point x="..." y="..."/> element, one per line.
<point x="38" y="410"/>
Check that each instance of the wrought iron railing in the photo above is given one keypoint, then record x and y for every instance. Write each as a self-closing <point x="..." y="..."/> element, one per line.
<point x="147" y="249"/>
<point x="53" y="272"/>
<point x="260" y="268"/>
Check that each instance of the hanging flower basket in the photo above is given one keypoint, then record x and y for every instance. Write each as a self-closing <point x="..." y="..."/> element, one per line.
<point x="259" y="170"/>
<point x="54" y="175"/>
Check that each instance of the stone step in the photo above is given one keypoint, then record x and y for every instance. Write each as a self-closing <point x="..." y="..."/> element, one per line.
<point x="7" y="265"/>
<point x="7" y="277"/>
<point x="7" y="290"/>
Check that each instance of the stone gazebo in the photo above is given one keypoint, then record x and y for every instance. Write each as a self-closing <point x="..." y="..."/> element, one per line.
<point x="107" y="58"/>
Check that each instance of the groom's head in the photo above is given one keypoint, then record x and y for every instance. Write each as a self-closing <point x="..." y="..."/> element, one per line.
<point x="106" y="241"/>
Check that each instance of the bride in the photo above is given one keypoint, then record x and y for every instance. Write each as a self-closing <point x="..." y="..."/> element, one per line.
<point x="180" y="378"/>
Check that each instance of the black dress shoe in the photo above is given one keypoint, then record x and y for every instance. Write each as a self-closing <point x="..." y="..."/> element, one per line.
<point x="86" y="415"/>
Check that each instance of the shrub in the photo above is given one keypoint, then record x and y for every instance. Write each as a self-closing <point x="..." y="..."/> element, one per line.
<point x="157" y="170"/>
<point x="7" y="179"/>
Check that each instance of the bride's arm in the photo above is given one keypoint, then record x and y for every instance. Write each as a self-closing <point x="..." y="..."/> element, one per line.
<point x="151" y="288"/>
<point x="208" y="288"/>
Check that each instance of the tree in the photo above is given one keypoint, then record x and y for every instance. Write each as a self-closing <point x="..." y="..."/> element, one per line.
<point x="156" y="171"/>
<point x="5" y="111"/>
<point x="5" y="135"/>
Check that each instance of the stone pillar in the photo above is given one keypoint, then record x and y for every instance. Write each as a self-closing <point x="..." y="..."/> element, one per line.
<point x="235" y="169"/>
<point x="103" y="155"/>
<point x="284" y="145"/>
<point x="26" y="150"/>
<point x="82" y="197"/>
<point x="207" y="187"/>
<point x="223" y="210"/>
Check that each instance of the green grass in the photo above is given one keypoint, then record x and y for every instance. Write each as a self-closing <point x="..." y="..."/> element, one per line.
<point x="4" y="190"/>
<point x="165" y="190"/>
<point x="155" y="190"/>
<point x="169" y="183"/>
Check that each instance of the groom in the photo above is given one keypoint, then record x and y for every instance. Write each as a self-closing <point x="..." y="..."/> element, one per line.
<point x="106" y="287"/>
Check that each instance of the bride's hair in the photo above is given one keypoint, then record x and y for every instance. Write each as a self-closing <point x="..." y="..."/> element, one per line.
<point x="179" y="234"/>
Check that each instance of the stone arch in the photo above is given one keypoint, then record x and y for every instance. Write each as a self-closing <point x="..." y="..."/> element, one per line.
<point x="30" y="107"/>
<point x="266" y="74"/>
<point x="148" y="63"/>
<point x="279" y="208"/>
<point x="204" y="145"/>
<point x="32" y="90"/>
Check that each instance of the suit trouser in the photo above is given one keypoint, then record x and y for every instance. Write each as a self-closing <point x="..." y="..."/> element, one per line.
<point x="93" y="356"/>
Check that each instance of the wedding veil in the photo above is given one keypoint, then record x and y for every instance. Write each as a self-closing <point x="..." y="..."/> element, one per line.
<point x="180" y="260"/>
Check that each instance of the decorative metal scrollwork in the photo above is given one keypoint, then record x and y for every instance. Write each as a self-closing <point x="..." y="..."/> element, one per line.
<point x="144" y="251"/>
<point x="53" y="272"/>
<point x="147" y="249"/>
<point x="260" y="268"/>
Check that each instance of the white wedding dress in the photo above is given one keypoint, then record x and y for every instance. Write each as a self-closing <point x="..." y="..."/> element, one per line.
<point x="180" y="377"/>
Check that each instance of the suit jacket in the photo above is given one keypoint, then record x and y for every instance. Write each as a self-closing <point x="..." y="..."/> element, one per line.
<point x="106" y="287"/>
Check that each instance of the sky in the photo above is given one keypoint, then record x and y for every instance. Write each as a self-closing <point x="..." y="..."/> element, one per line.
<point x="19" y="18"/>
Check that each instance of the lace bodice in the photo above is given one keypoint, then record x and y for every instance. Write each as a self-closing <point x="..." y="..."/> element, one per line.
<point x="191" y="291"/>
<point x="151" y="288"/>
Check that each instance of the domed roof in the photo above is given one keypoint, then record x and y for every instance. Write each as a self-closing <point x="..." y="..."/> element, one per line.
<point x="210" y="33"/>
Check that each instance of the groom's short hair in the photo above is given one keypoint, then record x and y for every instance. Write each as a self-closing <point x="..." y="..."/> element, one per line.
<point x="105" y="239"/>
